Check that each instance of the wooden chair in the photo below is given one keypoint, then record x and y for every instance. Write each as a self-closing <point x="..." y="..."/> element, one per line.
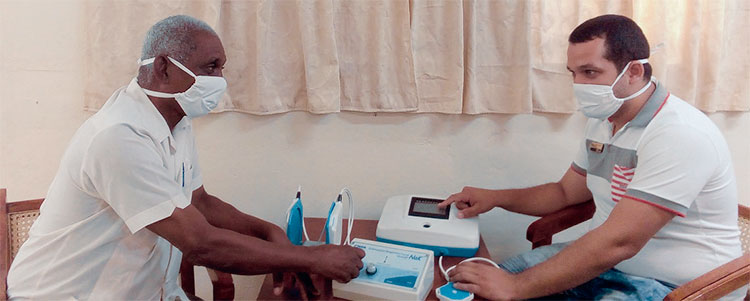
<point x="16" y="219"/>
<point x="710" y="286"/>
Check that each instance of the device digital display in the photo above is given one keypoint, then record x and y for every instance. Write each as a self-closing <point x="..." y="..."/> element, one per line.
<point x="425" y="207"/>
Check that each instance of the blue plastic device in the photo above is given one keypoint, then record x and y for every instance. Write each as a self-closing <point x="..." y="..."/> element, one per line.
<point x="449" y="292"/>
<point x="295" y="228"/>
<point x="333" y="223"/>
<point x="294" y="220"/>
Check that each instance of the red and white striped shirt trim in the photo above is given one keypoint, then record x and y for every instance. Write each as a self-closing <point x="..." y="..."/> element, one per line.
<point x="621" y="177"/>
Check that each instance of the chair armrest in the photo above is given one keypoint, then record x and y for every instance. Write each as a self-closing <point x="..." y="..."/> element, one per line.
<point x="540" y="232"/>
<point x="716" y="283"/>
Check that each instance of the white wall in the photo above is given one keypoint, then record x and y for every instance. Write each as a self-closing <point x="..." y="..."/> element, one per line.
<point x="256" y="162"/>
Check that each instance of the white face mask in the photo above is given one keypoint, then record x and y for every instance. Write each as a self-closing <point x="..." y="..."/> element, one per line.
<point x="599" y="101"/>
<point x="202" y="97"/>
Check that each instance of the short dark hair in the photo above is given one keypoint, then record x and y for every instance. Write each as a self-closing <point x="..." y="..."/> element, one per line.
<point x="623" y="38"/>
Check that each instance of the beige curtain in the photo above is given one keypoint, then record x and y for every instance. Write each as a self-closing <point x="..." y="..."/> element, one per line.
<point x="446" y="56"/>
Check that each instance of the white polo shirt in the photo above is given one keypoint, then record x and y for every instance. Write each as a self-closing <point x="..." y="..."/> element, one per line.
<point x="124" y="169"/>
<point x="673" y="157"/>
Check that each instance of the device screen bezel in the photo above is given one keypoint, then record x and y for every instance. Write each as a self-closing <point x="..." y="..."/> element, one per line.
<point x="414" y="199"/>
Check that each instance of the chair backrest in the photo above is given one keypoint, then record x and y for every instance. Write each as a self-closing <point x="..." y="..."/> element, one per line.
<point x="744" y="223"/>
<point x="16" y="219"/>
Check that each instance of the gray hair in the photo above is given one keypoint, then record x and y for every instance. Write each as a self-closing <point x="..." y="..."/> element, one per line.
<point x="173" y="36"/>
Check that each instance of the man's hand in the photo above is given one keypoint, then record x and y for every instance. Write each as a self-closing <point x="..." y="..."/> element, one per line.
<point x="340" y="263"/>
<point x="484" y="280"/>
<point x="471" y="201"/>
<point x="285" y="281"/>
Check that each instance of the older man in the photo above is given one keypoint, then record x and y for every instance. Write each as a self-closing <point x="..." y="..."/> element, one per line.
<point x="658" y="170"/>
<point x="128" y="200"/>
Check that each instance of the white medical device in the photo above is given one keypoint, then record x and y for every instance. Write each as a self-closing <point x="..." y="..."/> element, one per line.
<point x="295" y="222"/>
<point x="390" y="272"/>
<point x="418" y="222"/>
<point x="448" y="292"/>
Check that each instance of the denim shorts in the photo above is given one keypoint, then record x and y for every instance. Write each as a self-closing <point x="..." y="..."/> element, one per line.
<point x="610" y="285"/>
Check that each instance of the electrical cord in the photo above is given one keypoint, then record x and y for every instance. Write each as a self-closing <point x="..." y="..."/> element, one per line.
<point x="350" y="216"/>
<point x="445" y="272"/>
<point x="304" y="229"/>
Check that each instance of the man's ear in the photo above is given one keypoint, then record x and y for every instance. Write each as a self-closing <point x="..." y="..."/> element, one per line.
<point x="635" y="72"/>
<point x="160" y="69"/>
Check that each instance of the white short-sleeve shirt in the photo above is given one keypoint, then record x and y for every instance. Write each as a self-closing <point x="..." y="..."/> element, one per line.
<point x="673" y="157"/>
<point x="124" y="169"/>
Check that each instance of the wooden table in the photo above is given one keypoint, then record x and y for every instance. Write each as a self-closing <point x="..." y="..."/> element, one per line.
<point x="362" y="229"/>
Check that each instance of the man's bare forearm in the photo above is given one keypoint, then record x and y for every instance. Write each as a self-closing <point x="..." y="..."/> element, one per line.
<point x="223" y="215"/>
<point x="538" y="200"/>
<point x="594" y="253"/>
<point x="547" y="198"/>
<point x="578" y="263"/>
<point x="228" y="251"/>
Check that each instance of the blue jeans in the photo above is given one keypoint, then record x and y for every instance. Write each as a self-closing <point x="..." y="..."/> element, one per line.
<point x="610" y="285"/>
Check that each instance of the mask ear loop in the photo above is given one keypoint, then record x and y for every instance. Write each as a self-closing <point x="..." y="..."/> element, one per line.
<point x="625" y="70"/>
<point x="154" y="93"/>
<point x="175" y="62"/>
<point x="146" y="61"/>
<point x="181" y="66"/>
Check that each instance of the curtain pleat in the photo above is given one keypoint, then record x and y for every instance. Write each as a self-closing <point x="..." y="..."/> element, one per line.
<point x="424" y="56"/>
<point x="438" y="51"/>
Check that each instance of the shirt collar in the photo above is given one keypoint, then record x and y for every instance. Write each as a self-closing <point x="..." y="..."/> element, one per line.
<point x="652" y="106"/>
<point x="155" y="122"/>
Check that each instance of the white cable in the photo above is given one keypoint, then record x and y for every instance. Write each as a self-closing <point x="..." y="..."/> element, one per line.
<point x="445" y="272"/>
<point x="304" y="229"/>
<point x="299" y="197"/>
<point x="442" y="270"/>
<point x="350" y="217"/>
